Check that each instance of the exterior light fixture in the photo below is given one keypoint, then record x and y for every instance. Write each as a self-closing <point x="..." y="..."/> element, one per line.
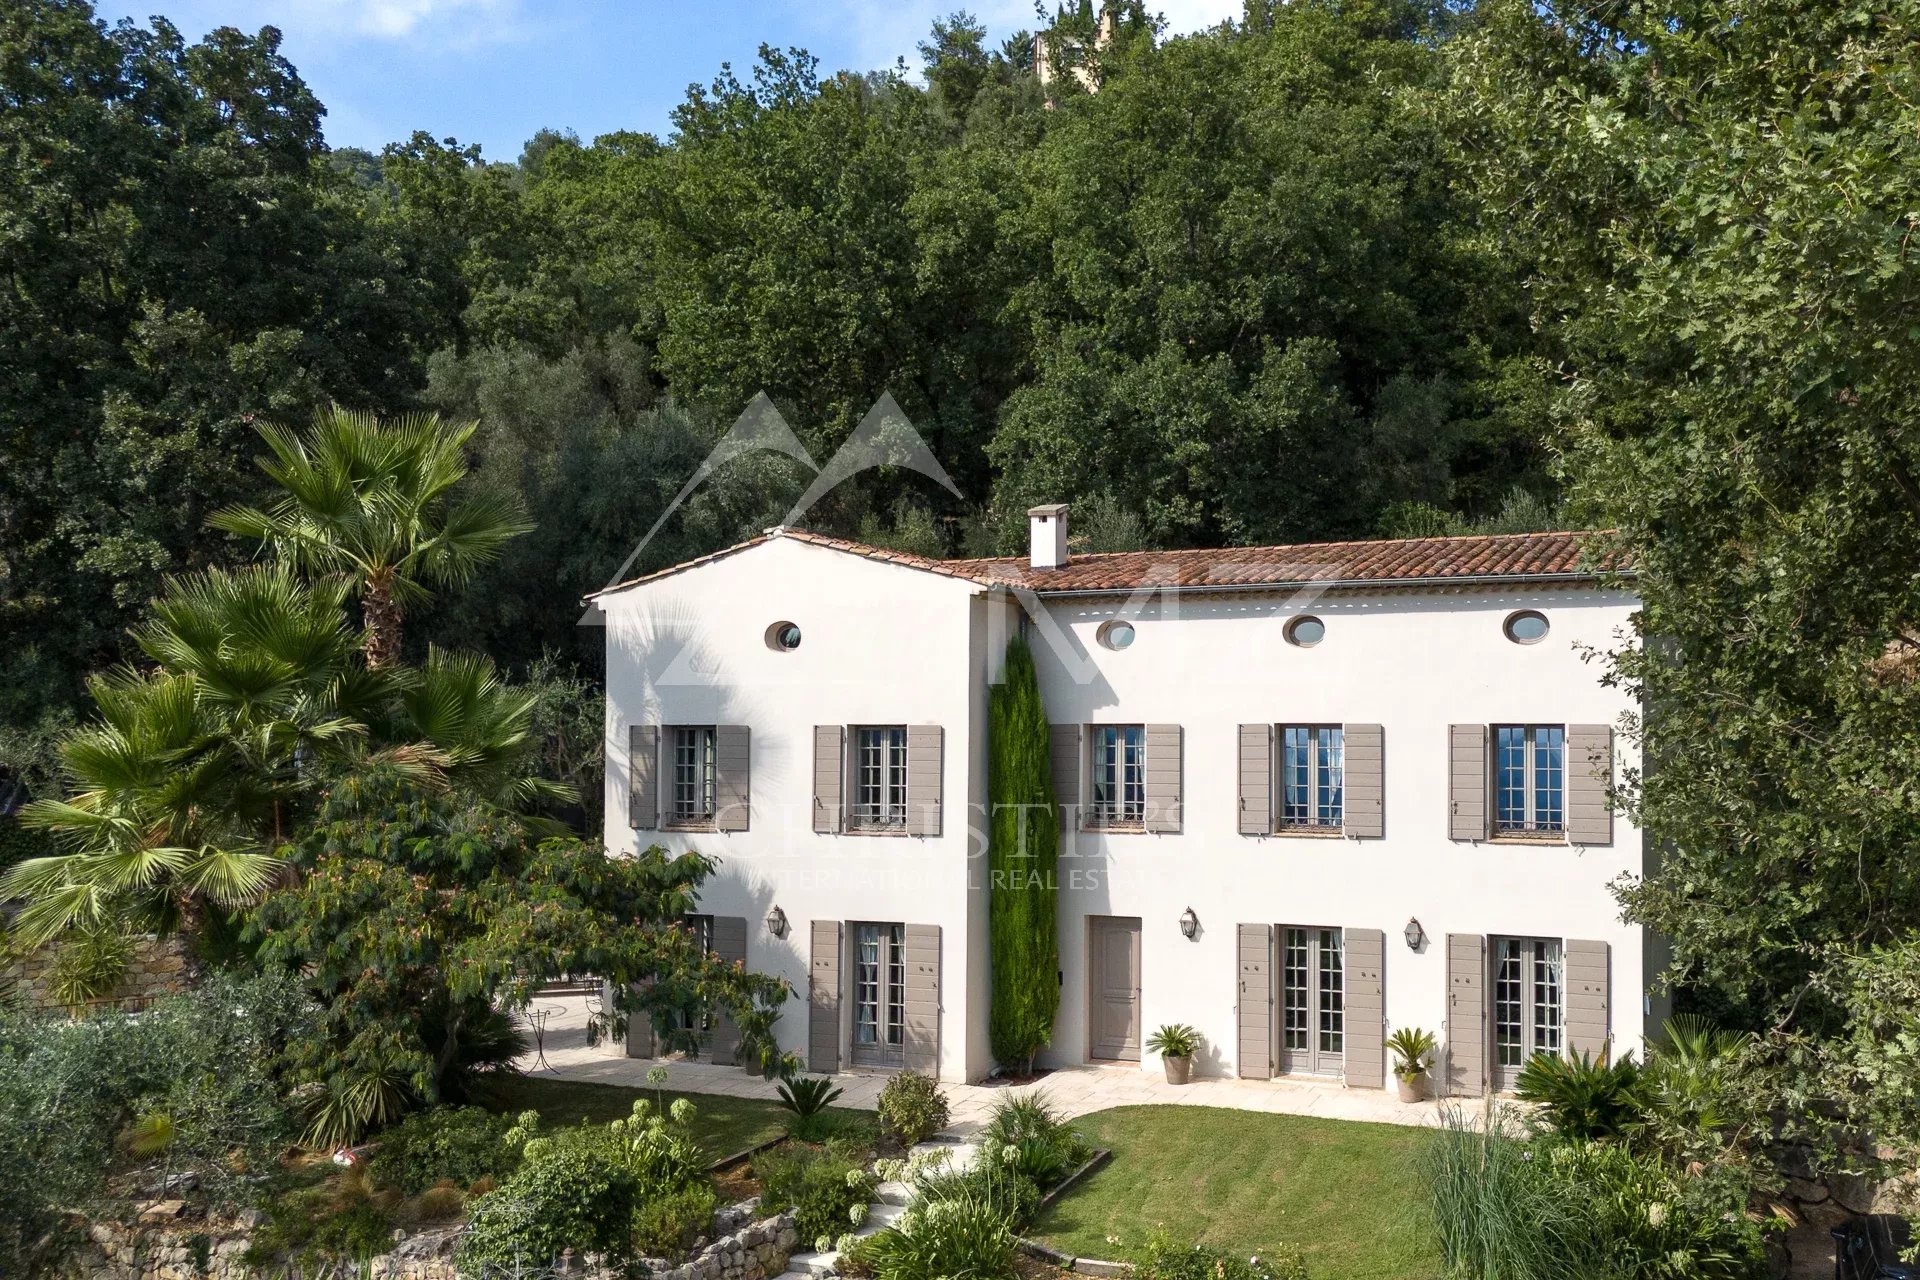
<point x="777" y="922"/>
<point x="1189" y="923"/>
<point x="1415" y="935"/>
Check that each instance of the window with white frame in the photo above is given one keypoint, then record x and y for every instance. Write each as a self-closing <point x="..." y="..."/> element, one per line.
<point x="690" y="800"/>
<point x="1118" y="769"/>
<point x="1530" y="779"/>
<point x="1529" y="1002"/>
<point x="880" y="777"/>
<point x="1312" y="776"/>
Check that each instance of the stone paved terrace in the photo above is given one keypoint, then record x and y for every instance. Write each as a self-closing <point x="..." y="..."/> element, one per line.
<point x="1073" y="1090"/>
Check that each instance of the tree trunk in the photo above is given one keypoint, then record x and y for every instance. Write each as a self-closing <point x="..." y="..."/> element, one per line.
<point x="381" y="617"/>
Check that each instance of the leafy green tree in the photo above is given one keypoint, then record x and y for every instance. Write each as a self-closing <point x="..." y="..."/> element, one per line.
<point x="417" y="915"/>
<point x="1023" y="858"/>
<point x="373" y="503"/>
<point x="180" y="258"/>
<point x="1723" y="244"/>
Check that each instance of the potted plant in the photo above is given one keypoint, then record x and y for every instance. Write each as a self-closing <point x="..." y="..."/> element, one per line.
<point x="1176" y="1043"/>
<point x="1412" y="1049"/>
<point x="756" y="1049"/>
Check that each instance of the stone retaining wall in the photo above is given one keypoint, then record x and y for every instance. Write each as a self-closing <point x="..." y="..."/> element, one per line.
<point x="161" y="966"/>
<point x="749" y="1248"/>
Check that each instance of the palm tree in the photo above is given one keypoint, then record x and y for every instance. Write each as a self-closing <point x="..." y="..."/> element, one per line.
<point x="372" y="503"/>
<point x="183" y="784"/>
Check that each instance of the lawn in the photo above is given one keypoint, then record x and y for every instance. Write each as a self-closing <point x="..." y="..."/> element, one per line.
<point x="724" y="1125"/>
<point x="1347" y="1195"/>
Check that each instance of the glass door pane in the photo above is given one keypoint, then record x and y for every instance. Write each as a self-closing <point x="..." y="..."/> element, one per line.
<point x="879" y="995"/>
<point x="1312" y="1001"/>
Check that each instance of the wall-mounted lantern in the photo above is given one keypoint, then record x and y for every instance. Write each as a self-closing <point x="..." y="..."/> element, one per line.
<point x="1189" y="924"/>
<point x="777" y="922"/>
<point x="1415" y="935"/>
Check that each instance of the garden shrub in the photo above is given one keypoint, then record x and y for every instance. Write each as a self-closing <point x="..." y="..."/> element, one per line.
<point x="448" y="1144"/>
<point x="201" y="1070"/>
<point x="638" y="1186"/>
<point x="339" y="1219"/>
<point x="1581" y="1098"/>
<point x="912" y="1107"/>
<point x="1546" y="1208"/>
<point x="565" y="1195"/>
<point x="1164" y="1260"/>
<point x="1042" y="1147"/>
<point x="828" y="1188"/>
<point x="953" y="1230"/>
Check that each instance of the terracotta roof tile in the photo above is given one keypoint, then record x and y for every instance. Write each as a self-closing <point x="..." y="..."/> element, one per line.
<point x="1399" y="562"/>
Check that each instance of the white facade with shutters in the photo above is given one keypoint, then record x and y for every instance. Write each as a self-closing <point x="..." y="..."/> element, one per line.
<point x="887" y="907"/>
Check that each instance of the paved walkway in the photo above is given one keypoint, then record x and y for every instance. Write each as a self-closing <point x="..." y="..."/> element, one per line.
<point x="1074" y="1091"/>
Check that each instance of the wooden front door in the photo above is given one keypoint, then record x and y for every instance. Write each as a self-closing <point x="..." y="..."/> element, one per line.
<point x="1114" y="955"/>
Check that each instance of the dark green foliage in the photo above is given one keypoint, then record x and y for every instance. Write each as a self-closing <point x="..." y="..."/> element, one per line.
<point x="1580" y="1098"/>
<point x="203" y="1067"/>
<point x="566" y="1195"/>
<point x="455" y="1144"/>
<point x="1023" y="853"/>
<point x="181" y="259"/>
<point x="1508" y="1208"/>
<point x="1044" y="1149"/>
<point x="828" y="1188"/>
<point x="912" y="1107"/>
<point x="958" y="1226"/>
<point x="417" y="913"/>
<point x="807" y="1098"/>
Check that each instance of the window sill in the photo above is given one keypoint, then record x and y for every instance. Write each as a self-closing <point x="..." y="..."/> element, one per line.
<point x="1312" y="833"/>
<point x="702" y="824"/>
<point x="1116" y="828"/>
<point x="1525" y="837"/>
<point x="876" y="831"/>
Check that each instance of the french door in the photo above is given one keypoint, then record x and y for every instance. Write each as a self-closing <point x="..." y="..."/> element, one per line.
<point x="1313" y="1018"/>
<point x="1528" y="1004"/>
<point x="879" y="995"/>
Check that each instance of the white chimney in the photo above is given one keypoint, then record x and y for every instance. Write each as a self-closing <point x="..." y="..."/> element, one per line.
<point x="1047" y="536"/>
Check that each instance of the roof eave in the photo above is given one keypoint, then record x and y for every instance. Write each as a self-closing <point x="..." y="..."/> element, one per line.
<point x="1323" y="584"/>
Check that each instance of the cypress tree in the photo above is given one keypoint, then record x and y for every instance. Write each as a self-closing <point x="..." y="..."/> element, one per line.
<point x="1023" y="855"/>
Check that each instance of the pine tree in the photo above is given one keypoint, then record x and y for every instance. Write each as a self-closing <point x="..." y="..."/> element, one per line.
<point x="1023" y="858"/>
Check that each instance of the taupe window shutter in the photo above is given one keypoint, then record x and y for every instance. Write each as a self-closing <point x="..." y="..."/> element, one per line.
<point x="1253" y="1054"/>
<point x="1589" y="779"/>
<point x="643" y="777"/>
<point x="829" y="758"/>
<point x="1466" y="1015"/>
<point x="1363" y="787"/>
<point x="1365" y="998"/>
<point x="1069" y="754"/>
<point x="1256" y="782"/>
<point x="1163" y="777"/>
<point x="1588" y="998"/>
<point x="1467" y="782"/>
<point x="823" y="998"/>
<point x="732" y="776"/>
<point x="924" y="750"/>
<point x="730" y="945"/>
<point x="921" y="1043"/>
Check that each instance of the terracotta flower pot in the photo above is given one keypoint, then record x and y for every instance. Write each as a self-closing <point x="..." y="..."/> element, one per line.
<point x="1412" y="1088"/>
<point x="1179" y="1070"/>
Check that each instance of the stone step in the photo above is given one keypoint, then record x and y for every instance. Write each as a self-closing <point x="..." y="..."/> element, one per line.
<point x="820" y="1266"/>
<point x="894" y="1192"/>
<point x="879" y="1218"/>
<point x="959" y="1155"/>
<point x="795" y="1275"/>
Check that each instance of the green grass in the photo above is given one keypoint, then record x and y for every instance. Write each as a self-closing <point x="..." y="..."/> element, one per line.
<point x="724" y="1125"/>
<point x="1347" y="1195"/>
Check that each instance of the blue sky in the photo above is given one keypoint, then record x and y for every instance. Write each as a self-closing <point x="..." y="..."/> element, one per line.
<point x="494" y="71"/>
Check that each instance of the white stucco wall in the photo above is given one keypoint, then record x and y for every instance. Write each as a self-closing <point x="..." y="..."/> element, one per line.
<point x="1413" y="662"/>
<point x="881" y="645"/>
<point x="886" y="644"/>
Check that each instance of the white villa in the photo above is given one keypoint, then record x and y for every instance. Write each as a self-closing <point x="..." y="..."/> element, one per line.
<point x="1311" y="794"/>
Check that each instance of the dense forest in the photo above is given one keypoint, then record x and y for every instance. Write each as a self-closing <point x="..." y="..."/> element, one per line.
<point x="1336" y="268"/>
<point x="1234" y="296"/>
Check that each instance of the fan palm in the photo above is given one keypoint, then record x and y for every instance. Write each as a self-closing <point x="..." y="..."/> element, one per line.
<point x="372" y="503"/>
<point x="479" y="726"/>
<point x="184" y="780"/>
